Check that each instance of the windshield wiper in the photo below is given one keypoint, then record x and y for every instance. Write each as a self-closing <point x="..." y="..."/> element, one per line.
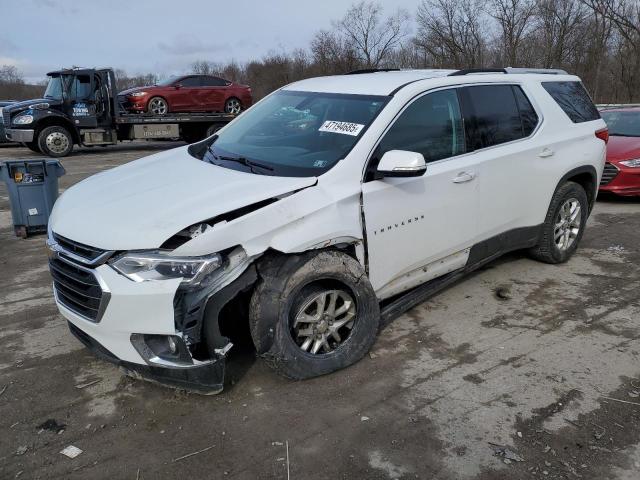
<point x="244" y="161"/>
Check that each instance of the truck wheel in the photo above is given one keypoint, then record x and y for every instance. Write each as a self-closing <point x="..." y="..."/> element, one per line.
<point x="158" y="106"/>
<point x="313" y="314"/>
<point x="233" y="106"/>
<point x="33" y="146"/>
<point x="55" y="141"/>
<point x="213" y="129"/>
<point x="564" y="225"/>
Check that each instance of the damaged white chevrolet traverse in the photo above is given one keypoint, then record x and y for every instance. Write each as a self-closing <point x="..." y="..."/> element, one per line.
<point x="319" y="214"/>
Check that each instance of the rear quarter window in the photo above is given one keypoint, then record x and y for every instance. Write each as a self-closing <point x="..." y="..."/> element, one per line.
<point x="574" y="100"/>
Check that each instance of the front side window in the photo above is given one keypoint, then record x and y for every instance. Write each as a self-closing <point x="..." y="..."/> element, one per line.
<point x="491" y="115"/>
<point x="295" y="134"/>
<point x="622" y="123"/>
<point x="573" y="99"/>
<point x="81" y="87"/>
<point x="431" y="125"/>
<point x="189" y="82"/>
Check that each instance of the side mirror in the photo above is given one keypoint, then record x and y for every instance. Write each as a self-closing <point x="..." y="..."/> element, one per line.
<point x="401" y="163"/>
<point x="178" y="86"/>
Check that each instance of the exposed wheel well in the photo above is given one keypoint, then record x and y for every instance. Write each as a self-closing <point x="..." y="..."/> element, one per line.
<point x="55" y="121"/>
<point x="588" y="182"/>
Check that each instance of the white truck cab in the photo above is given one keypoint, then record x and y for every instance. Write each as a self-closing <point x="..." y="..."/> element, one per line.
<point x="319" y="214"/>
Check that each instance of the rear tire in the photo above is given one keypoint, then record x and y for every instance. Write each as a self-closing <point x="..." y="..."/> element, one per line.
<point x="313" y="314"/>
<point x="564" y="225"/>
<point x="55" y="141"/>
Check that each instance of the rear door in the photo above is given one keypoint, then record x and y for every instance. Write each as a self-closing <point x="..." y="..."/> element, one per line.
<point x="499" y="121"/>
<point x="214" y="93"/>
<point x="422" y="227"/>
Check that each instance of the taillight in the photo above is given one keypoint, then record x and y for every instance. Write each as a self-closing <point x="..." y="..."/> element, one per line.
<point x="603" y="134"/>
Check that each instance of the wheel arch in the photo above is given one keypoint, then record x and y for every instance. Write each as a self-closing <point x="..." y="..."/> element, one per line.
<point x="585" y="176"/>
<point x="57" y="121"/>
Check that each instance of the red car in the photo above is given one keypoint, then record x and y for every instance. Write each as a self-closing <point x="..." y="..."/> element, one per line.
<point x="190" y="93"/>
<point x="622" y="170"/>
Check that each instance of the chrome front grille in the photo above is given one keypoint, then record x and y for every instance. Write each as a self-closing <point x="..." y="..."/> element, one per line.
<point x="78" y="289"/>
<point x="609" y="173"/>
<point x="80" y="252"/>
<point x="6" y="117"/>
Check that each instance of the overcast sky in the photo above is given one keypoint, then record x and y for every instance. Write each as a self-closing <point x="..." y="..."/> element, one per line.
<point x="159" y="36"/>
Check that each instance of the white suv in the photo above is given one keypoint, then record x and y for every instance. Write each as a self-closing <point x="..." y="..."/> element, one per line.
<point x="319" y="214"/>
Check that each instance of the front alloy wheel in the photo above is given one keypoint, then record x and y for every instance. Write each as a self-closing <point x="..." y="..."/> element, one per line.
<point x="324" y="321"/>
<point x="158" y="106"/>
<point x="233" y="106"/>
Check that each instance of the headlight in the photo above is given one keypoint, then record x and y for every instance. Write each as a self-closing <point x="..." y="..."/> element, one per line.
<point x="145" y="266"/>
<point x="635" y="163"/>
<point x="137" y="94"/>
<point x="39" y="106"/>
<point x="23" y="119"/>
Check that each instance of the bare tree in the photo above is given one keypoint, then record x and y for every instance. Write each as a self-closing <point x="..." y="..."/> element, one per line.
<point x="453" y="32"/>
<point x="373" y="38"/>
<point x="514" y="18"/>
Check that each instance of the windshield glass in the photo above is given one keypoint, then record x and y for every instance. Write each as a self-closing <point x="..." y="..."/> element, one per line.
<point x="54" y="88"/>
<point x="622" y="123"/>
<point x="295" y="134"/>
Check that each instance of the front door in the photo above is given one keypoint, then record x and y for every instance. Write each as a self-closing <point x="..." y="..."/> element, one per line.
<point x="422" y="227"/>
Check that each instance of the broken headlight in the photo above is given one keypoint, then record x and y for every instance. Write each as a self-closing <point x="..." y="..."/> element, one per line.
<point x="145" y="266"/>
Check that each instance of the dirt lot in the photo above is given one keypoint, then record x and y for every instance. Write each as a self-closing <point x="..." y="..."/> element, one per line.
<point x="541" y="360"/>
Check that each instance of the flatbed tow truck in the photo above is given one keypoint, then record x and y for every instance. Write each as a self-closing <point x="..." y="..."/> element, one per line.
<point x="80" y="106"/>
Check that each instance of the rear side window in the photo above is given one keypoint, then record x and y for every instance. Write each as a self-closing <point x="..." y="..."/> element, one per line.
<point x="213" y="82"/>
<point x="573" y="99"/>
<point x="491" y="115"/>
<point x="528" y="115"/>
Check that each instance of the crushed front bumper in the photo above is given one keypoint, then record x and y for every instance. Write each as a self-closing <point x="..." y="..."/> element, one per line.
<point x="206" y="378"/>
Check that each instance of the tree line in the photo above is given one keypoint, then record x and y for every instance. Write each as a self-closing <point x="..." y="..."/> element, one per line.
<point x="599" y="40"/>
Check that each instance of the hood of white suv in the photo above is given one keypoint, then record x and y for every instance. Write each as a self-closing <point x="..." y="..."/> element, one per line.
<point x="141" y="204"/>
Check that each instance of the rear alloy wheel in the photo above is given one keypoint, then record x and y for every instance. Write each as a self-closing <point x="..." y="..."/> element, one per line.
<point x="55" y="141"/>
<point x="158" y="106"/>
<point x="233" y="106"/>
<point x="564" y="224"/>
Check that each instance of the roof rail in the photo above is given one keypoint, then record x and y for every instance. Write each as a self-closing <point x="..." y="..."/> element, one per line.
<point x="468" y="71"/>
<point x="509" y="70"/>
<point x="548" y="71"/>
<point x="372" y="70"/>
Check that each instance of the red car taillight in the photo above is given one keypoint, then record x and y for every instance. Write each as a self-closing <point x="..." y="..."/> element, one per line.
<point x="603" y="134"/>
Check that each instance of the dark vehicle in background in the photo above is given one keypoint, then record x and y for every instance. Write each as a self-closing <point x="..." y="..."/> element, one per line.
<point x="79" y="107"/>
<point x="190" y="93"/>
<point x="622" y="171"/>
<point x="4" y="103"/>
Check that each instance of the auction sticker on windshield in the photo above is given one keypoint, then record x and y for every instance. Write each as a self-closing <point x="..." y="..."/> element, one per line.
<point x="345" y="128"/>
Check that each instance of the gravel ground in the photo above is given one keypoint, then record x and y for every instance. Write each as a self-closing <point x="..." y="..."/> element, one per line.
<point x="522" y="370"/>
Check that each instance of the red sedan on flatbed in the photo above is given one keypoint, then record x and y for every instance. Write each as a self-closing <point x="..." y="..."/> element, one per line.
<point x="189" y="93"/>
<point x="622" y="170"/>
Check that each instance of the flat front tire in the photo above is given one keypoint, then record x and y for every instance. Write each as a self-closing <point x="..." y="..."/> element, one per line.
<point x="564" y="224"/>
<point x="313" y="314"/>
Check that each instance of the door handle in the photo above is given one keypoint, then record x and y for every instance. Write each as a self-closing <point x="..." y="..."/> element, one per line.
<point x="546" y="152"/>
<point x="464" y="177"/>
